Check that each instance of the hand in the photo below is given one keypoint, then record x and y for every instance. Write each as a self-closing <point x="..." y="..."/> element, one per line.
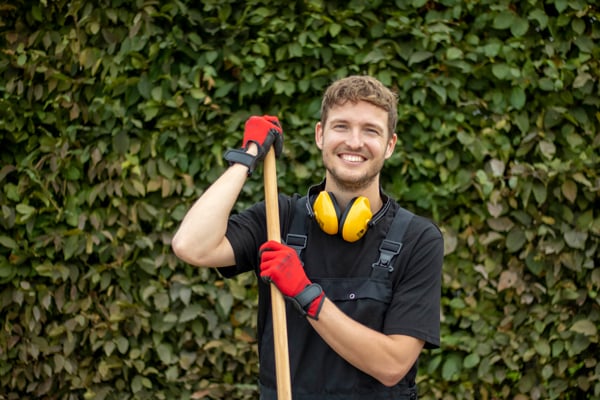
<point x="280" y="264"/>
<point x="264" y="131"/>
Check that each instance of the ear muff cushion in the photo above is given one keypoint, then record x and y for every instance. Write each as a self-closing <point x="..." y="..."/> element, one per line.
<point x="326" y="213"/>
<point x="354" y="222"/>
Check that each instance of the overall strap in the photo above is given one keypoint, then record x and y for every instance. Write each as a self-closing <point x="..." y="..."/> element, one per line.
<point x="392" y="244"/>
<point x="296" y="237"/>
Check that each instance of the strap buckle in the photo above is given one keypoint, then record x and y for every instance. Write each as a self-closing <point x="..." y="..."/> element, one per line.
<point x="387" y="251"/>
<point x="296" y="242"/>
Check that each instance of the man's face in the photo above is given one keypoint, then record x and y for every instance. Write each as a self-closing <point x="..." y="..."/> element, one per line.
<point x="354" y="143"/>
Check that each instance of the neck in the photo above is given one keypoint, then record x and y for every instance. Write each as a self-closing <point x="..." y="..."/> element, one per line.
<point x="344" y="195"/>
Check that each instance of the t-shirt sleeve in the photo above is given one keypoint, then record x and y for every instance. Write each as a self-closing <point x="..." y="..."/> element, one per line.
<point x="415" y="307"/>
<point x="246" y="232"/>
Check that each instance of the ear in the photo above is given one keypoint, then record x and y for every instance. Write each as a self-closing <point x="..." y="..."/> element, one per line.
<point x="391" y="145"/>
<point x="319" y="135"/>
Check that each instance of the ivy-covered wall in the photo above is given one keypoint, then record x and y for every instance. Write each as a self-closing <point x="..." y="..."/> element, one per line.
<point x="114" y="116"/>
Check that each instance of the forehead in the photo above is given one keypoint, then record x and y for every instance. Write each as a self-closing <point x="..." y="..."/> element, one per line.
<point x="361" y="112"/>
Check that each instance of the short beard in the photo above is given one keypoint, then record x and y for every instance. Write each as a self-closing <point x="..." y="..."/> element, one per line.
<point x="352" y="186"/>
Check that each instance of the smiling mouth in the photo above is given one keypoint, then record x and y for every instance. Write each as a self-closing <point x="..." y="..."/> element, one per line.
<point x="352" y="158"/>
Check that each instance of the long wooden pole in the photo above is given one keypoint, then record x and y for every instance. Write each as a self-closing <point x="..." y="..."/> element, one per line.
<point x="280" y="337"/>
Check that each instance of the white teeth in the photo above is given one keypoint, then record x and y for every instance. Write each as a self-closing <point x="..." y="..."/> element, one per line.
<point x="351" y="158"/>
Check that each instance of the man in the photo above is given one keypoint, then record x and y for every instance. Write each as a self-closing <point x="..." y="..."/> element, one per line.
<point x="352" y="335"/>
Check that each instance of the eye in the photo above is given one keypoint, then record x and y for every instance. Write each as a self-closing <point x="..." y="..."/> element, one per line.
<point x="373" y="131"/>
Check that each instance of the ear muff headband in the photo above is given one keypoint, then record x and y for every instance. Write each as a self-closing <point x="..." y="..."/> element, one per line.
<point x="352" y="224"/>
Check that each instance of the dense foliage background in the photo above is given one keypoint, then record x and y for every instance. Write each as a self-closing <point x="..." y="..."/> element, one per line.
<point x="114" y="116"/>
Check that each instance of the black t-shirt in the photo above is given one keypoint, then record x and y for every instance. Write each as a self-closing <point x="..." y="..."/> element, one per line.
<point x="409" y="303"/>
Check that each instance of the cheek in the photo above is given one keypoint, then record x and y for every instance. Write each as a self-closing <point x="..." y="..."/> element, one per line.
<point x="326" y="142"/>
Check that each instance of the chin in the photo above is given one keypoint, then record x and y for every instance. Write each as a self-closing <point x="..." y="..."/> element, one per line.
<point x="353" y="183"/>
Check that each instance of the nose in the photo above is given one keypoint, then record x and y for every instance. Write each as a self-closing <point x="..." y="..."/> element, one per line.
<point x="354" y="138"/>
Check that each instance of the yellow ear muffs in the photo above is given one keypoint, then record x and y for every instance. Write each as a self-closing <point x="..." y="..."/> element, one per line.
<point x="352" y="224"/>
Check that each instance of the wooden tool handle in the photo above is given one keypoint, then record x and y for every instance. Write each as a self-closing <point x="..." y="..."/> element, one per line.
<point x="282" y="362"/>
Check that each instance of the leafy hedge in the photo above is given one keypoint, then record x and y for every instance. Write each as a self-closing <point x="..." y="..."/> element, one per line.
<point x="115" y="116"/>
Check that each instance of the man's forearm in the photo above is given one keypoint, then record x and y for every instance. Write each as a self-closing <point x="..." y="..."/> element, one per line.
<point x="200" y="239"/>
<point x="386" y="358"/>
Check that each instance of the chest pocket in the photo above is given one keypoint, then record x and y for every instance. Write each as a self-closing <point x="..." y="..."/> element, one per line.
<point x="355" y="289"/>
<point x="364" y="299"/>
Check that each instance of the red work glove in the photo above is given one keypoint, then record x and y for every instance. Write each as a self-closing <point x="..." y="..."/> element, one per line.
<point x="264" y="131"/>
<point x="280" y="264"/>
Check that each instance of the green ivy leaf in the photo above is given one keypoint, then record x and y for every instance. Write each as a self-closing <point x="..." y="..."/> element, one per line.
<point x="576" y="239"/>
<point x="165" y="353"/>
<point x="190" y="312"/>
<point x="542" y="348"/>
<point x="517" y="98"/>
<point x="569" y="190"/>
<point x="471" y="361"/>
<point x="335" y="29"/>
<point x="25" y="210"/>
<point x="8" y="242"/>
<point x="585" y="327"/>
<point x="454" y="53"/>
<point x="419" y="56"/>
<point x="540" y="16"/>
<point x="452" y="367"/>
<point x="519" y="27"/>
<point x="225" y="301"/>
<point x="501" y="71"/>
<point x="515" y="240"/>
<point x="504" y="20"/>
